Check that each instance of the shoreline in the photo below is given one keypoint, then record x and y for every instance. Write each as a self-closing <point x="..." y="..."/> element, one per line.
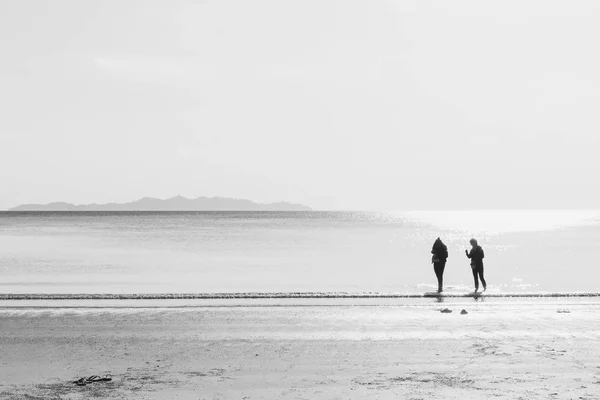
<point x="286" y="295"/>
<point x="416" y="303"/>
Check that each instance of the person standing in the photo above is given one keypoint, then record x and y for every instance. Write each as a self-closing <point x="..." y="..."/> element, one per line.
<point x="476" y="255"/>
<point x="440" y="255"/>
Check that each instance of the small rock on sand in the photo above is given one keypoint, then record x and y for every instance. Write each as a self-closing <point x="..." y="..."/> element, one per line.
<point x="446" y="310"/>
<point x="463" y="311"/>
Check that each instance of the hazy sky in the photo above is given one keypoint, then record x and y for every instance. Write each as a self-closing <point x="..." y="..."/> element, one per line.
<point x="334" y="104"/>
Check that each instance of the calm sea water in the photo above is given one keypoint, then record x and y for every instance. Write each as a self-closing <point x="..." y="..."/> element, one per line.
<point x="194" y="252"/>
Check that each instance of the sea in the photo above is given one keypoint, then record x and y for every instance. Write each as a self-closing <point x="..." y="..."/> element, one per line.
<point x="526" y="251"/>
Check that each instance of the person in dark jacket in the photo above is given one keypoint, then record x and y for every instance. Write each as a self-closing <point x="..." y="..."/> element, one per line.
<point x="440" y="255"/>
<point x="476" y="255"/>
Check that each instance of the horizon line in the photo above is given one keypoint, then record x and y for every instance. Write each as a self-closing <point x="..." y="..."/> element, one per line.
<point x="12" y="209"/>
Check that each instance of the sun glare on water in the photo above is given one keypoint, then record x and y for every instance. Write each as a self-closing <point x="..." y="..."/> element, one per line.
<point x="490" y="222"/>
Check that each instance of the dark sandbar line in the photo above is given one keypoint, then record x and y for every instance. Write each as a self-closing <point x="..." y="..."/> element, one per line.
<point x="279" y="295"/>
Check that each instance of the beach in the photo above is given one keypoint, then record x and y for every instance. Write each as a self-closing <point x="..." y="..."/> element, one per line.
<point x="505" y="348"/>
<point x="323" y="305"/>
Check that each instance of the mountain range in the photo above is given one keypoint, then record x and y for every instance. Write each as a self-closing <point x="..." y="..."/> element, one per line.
<point x="177" y="203"/>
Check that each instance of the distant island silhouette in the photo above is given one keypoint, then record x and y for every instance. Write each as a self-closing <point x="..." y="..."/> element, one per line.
<point x="177" y="203"/>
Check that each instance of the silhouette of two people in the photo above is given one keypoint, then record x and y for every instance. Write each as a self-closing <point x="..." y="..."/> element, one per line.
<point x="439" y="256"/>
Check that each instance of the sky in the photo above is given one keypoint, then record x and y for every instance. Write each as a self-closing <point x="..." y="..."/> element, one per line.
<point x="362" y="105"/>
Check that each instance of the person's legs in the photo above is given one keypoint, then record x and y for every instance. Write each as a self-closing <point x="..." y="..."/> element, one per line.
<point x="439" y="273"/>
<point x="480" y="271"/>
<point x="475" y="279"/>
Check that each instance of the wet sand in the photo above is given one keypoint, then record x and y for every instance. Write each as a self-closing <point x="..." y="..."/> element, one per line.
<point x="501" y="349"/>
